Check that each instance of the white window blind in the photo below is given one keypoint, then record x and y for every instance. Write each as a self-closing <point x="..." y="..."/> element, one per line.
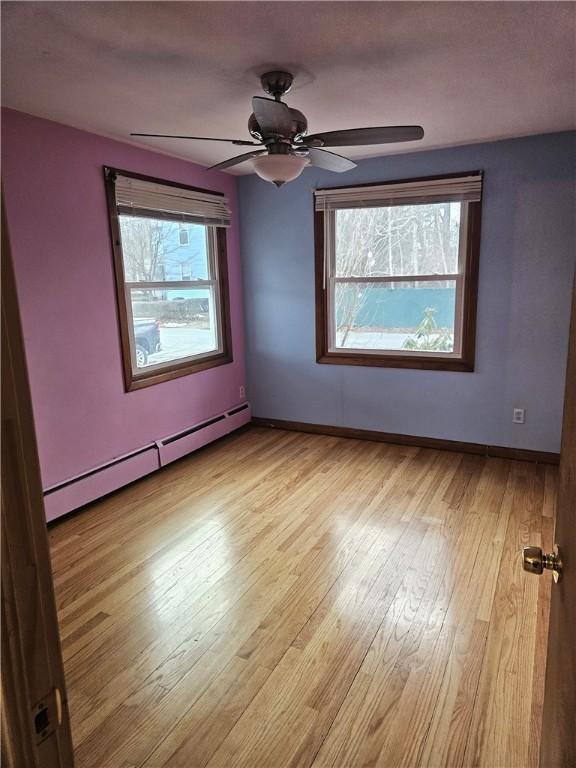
<point x="138" y="197"/>
<point x="458" y="189"/>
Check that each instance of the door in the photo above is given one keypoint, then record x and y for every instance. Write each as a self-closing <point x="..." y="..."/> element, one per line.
<point x="558" y="744"/>
<point x="35" y="722"/>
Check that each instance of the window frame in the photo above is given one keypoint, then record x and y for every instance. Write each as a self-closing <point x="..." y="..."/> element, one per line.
<point x="466" y="306"/>
<point x="134" y="380"/>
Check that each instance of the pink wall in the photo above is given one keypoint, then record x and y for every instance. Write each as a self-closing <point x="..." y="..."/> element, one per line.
<point x="58" y="224"/>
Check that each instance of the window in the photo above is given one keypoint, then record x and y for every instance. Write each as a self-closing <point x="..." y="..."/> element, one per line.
<point x="173" y="301"/>
<point x="183" y="235"/>
<point x="397" y="273"/>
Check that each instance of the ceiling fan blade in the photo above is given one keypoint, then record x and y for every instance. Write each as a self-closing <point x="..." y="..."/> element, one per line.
<point x="329" y="161"/>
<point x="358" y="136"/>
<point x="235" y="160"/>
<point x="273" y="117"/>
<point x="240" y="142"/>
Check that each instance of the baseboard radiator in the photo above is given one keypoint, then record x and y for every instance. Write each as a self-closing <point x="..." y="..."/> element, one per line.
<point x="77" y="491"/>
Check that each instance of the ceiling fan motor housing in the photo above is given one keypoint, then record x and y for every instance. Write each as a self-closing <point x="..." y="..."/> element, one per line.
<point x="298" y="128"/>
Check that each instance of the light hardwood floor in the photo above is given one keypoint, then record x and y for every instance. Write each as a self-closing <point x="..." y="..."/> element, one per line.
<point x="281" y="599"/>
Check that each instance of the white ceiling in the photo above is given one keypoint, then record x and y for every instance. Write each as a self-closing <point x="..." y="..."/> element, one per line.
<point x="466" y="71"/>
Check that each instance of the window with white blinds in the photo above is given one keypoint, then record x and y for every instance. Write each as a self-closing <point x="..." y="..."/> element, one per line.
<point x="136" y="196"/>
<point x="420" y="192"/>
<point x="397" y="268"/>
<point x="169" y="246"/>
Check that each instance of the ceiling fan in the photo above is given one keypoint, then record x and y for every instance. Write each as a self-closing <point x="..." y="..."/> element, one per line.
<point x="282" y="131"/>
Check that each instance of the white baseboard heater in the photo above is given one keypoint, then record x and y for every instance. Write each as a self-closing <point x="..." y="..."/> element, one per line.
<point x="105" y="478"/>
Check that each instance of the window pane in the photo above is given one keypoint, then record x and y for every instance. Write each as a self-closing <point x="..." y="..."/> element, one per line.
<point x="173" y="324"/>
<point x="154" y="249"/>
<point x="398" y="240"/>
<point x="411" y="316"/>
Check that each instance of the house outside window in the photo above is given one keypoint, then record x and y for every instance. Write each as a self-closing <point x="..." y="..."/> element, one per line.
<point x="397" y="271"/>
<point x="172" y="297"/>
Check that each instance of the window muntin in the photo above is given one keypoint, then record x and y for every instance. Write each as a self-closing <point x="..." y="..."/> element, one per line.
<point x="397" y="281"/>
<point x="173" y="296"/>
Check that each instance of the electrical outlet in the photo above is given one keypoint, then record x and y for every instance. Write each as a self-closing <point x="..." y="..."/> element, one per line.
<point x="242" y="392"/>
<point x="519" y="416"/>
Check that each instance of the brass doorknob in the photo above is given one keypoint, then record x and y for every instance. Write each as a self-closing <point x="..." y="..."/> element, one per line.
<point x="535" y="561"/>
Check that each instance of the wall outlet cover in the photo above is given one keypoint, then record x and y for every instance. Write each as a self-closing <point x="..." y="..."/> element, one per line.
<point x="519" y="416"/>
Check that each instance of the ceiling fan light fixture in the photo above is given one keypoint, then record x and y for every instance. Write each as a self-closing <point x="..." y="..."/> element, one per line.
<point x="279" y="169"/>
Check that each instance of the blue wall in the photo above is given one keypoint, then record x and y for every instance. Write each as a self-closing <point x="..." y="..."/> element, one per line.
<point x="526" y="273"/>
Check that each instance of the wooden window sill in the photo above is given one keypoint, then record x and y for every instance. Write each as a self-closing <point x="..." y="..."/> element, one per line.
<point x="397" y="361"/>
<point x="175" y="372"/>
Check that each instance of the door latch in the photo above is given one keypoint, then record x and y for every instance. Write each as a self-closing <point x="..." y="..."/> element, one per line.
<point x="536" y="561"/>
<point x="47" y="715"/>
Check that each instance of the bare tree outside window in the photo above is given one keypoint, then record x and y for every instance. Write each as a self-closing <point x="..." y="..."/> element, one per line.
<point x="145" y="245"/>
<point x="397" y="240"/>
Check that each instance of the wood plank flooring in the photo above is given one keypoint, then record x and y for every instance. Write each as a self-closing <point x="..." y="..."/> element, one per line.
<point x="281" y="599"/>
